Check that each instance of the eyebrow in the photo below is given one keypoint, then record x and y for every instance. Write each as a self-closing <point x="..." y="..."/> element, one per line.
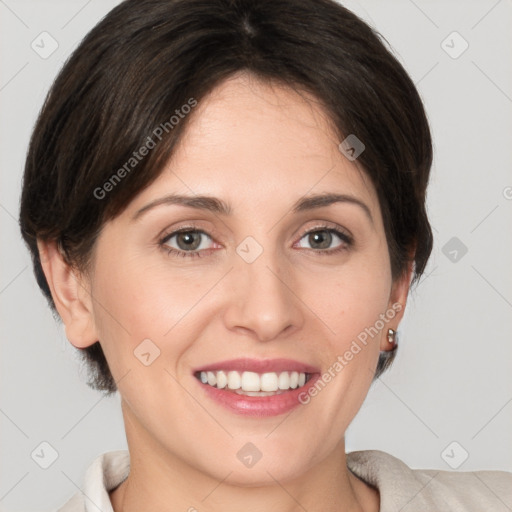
<point x="216" y="205"/>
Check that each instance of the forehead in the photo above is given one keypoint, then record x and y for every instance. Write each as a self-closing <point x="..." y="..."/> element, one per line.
<point x="251" y="118"/>
<point x="253" y="140"/>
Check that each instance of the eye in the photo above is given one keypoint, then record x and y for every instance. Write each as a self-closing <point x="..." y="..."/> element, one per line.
<point x="322" y="239"/>
<point x="191" y="242"/>
<point x="185" y="242"/>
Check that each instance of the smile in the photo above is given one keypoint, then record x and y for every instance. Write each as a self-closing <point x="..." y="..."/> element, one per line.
<point x="252" y="383"/>
<point x="253" y="387"/>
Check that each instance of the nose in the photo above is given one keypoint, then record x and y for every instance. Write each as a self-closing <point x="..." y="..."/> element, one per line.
<point x="263" y="300"/>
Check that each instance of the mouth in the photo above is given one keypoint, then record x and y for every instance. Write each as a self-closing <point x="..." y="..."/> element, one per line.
<point x="252" y="383"/>
<point x="256" y="387"/>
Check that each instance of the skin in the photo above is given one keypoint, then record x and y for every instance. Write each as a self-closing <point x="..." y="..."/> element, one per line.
<point x="259" y="148"/>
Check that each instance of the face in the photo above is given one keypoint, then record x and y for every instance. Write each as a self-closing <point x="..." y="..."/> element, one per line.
<point x="277" y="284"/>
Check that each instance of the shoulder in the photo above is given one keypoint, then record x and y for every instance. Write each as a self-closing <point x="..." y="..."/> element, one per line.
<point x="104" y="474"/>
<point x="427" y="490"/>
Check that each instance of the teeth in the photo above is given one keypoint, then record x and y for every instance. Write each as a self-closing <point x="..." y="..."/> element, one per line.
<point x="283" y="382"/>
<point x="222" y="380"/>
<point x="258" y="393"/>
<point x="268" y="382"/>
<point x="212" y="378"/>
<point x="254" y="384"/>
<point x="234" y="380"/>
<point x="251" y="382"/>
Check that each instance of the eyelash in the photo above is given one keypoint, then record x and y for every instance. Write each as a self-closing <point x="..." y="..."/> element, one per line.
<point x="346" y="239"/>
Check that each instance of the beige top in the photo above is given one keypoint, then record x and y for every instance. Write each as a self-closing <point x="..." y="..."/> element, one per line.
<point x="401" y="488"/>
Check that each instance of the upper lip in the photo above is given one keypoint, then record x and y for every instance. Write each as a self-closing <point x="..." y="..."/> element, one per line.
<point x="259" y="366"/>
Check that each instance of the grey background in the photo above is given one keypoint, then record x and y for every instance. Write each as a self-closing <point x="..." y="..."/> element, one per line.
<point x="451" y="380"/>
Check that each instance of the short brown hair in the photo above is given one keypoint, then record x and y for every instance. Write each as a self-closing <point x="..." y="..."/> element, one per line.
<point x="147" y="58"/>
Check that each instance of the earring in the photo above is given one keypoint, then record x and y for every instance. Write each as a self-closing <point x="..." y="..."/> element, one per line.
<point x="386" y="357"/>
<point x="392" y="336"/>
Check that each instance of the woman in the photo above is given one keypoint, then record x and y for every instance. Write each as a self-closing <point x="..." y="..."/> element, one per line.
<point x="225" y="204"/>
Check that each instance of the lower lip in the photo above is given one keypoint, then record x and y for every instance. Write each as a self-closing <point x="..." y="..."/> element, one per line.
<point x="261" y="406"/>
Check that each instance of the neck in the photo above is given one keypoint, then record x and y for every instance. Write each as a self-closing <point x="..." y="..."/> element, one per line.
<point x="160" y="481"/>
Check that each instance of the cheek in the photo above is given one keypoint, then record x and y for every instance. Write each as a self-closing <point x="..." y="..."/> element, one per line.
<point x="350" y="301"/>
<point x="352" y="305"/>
<point x="137" y="301"/>
<point x="352" y="298"/>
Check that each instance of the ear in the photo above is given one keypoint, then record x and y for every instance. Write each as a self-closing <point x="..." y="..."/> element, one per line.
<point x="70" y="293"/>
<point x="396" y="306"/>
